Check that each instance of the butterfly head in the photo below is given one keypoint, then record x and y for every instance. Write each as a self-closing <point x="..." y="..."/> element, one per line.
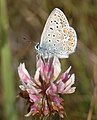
<point x="39" y="49"/>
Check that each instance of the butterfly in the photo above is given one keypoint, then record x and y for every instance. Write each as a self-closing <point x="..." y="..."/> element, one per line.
<point x="58" y="37"/>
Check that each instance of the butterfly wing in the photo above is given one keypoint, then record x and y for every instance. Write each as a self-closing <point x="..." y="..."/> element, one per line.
<point x="55" y="36"/>
<point x="72" y="41"/>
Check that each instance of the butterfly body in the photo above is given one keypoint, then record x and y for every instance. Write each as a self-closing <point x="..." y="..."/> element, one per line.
<point x="58" y="38"/>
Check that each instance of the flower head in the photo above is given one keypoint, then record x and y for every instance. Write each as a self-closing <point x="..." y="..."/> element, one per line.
<point x="43" y="90"/>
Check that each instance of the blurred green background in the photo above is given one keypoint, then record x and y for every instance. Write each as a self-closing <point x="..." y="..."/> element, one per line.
<point x="21" y="25"/>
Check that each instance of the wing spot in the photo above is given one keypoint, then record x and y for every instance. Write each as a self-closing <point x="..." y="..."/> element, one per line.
<point x="53" y="35"/>
<point x="63" y="44"/>
<point x="54" y="44"/>
<point x="49" y="40"/>
<point x="60" y="22"/>
<point x="57" y="40"/>
<point x="48" y="34"/>
<point x="55" y="21"/>
<point x="51" y="28"/>
<point x="60" y="19"/>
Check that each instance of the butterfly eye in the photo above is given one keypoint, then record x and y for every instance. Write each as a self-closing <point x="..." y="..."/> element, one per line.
<point x="37" y="46"/>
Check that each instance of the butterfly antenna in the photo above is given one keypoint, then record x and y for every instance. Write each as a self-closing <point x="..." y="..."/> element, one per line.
<point x="29" y="41"/>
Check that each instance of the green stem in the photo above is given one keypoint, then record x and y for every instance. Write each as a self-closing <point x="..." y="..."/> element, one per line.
<point x="6" y="67"/>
